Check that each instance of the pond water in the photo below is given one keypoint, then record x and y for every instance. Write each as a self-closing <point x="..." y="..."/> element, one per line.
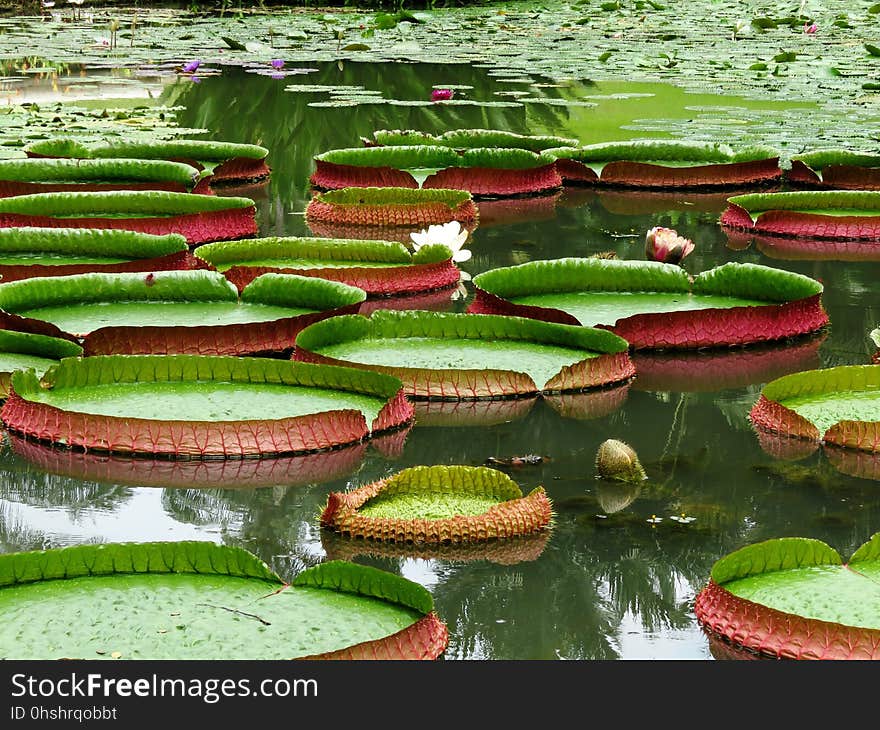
<point x="617" y="576"/>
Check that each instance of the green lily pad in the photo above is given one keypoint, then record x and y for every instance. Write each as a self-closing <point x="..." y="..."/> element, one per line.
<point x="438" y="504"/>
<point x="35" y="170"/>
<point x="471" y="138"/>
<point x="21" y="350"/>
<point x="796" y="597"/>
<point x="452" y="356"/>
<point x="193" y="600"/>
<point x="198" y="405"/>
<point x="840" y="405"/>
<point x="61" y="246"/>
<point x="633" y="296"/>
<point x="193" y="149"/>
<point x="838" y="203"/>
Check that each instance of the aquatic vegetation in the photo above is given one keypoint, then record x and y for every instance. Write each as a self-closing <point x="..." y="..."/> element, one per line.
<point x="200" y="218"/>
<point x="667" y="164"/>
<point x="464" y="139"/>
<point x="166" y="312"/>
<point x="334" y="610"/>
<point x="795" y="598"/>
<point x="665" y="245"/>
<point x="657" y="306"/>
<point x="391" y="207"/>
<point x="380" y="268"/>
<point x="438" y="505"/>
<point x="225" y="161"/>
<point x="618" y="461"/>
<point x="835" y="169"/>
<point x="480" y="171"/>
<point x="815" y="215"/>
<point x="28" y="176"/>
<point x="20" y="350"/>
<point x="449" y="356"/>
<point x="222" y="407"/>
<point x="27" y="253"/>
<point x="837" y="406"/>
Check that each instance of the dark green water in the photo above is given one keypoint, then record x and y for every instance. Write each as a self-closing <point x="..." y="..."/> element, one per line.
<point x="607" y="584"/>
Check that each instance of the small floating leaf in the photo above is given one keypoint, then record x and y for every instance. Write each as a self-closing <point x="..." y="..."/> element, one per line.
<point x="872" y="49"/>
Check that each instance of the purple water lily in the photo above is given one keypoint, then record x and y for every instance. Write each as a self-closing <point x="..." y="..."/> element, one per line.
<point x="810" y="28"/>
<point x="441" y="94"/>
<point x="277" y="63"/>
<point x="190" y="66"/>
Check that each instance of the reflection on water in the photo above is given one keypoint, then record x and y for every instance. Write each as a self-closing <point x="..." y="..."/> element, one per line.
<point x="617" y="576"/>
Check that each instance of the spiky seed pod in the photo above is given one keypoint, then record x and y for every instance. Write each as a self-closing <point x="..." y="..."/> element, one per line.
<point x="617" y="460"/>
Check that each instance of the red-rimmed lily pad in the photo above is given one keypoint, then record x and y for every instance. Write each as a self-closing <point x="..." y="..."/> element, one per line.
<point x="141" y="471"/>
<point x="809" y="214"/>
<point x="839" y="406"/>
<point x="463" y="356"/>
<point x="199" y="218"/>
<point x="165" y="312"/>
<point x="391" y="207"/>
<point x="835" y="169"/>
<point x="29" y="176"/>
<point x="796" y="598"/>
<point x="380" y="268"/>
<point x="465" y="139"/>
<point x="225" y="161"/>
<point x="667" y="164"/>
<point x="201" y="406"/>
<point x="198" y="600"/>
<point x="27" y="253"/>
<point x="654" y="305"/>
<point x="438" y="505"/>
<point x="490" y="172"/>
<point x="20" y="350"/>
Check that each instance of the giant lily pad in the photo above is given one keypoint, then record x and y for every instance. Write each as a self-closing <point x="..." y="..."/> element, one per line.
<point x="200" y="406"/>
<point x="19" y="350"/>
<point x="380" y="268"/>
<point x="839" y="406"/>
<point x="30" y="176"/>
<point x="164" y="312"/>
<point x="438" y="505"/>
<point x="200" y="218"/>
<point x="795" y="598"/>
<point x="466" y="139"/>
<point x="226" y="161"/>
<point x="391" y="208"/>
<point x="198" y="600"/>
<point x="835" y="169"/>
<point x="481" y="171"/>
<point x="463" y="356"/>
<point x="26" y="253"/>
<point x="821" y="214"/>
<point x="667" y="164"/>
<point x="655" y="305"/>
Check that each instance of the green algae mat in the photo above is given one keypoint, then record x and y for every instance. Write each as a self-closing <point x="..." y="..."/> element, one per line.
<point x="796" y="598"/>
<point x="192" y="600"/>
<point x="462" y="356"/>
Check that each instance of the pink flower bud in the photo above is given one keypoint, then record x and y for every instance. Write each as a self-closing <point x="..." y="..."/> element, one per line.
<point x="665" y="245"/>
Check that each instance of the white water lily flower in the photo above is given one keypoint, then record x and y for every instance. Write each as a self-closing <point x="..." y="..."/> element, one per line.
<point x="452" y="235"/>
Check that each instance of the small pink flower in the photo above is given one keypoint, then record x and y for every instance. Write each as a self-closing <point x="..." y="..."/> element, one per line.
<point x="810" y="28"/>
<point x="441" y="94"/>
<point x="277" y="63"/>
<point x="190" y="66"/>
<point x="665" y="245"/>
